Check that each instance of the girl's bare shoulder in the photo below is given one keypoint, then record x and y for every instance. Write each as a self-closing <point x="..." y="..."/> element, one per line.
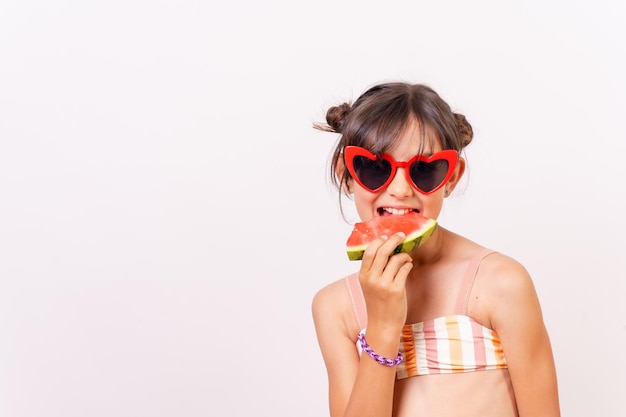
<point x="332" y="308"/>
<point x="503" y="274"/>
<point x="501" y="284"/>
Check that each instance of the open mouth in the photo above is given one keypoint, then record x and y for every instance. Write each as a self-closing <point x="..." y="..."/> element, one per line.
<point x="389" y="211"/>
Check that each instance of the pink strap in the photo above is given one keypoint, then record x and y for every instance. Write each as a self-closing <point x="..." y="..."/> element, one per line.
<point x="358" y="301"/>
<point x="468" y="280"/>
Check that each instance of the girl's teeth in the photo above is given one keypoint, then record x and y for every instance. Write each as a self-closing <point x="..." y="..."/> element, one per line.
<point x="391" y="210"/>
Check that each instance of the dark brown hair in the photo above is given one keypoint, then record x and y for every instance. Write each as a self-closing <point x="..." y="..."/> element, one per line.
<point x="376" y="119"/>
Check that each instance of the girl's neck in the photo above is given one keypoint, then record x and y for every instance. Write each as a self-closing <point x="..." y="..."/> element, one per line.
<point x="433" y="250"/>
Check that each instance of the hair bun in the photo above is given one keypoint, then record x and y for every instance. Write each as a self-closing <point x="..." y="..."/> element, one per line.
<point x="335" y="116"/>
<point x="466" y="133"/>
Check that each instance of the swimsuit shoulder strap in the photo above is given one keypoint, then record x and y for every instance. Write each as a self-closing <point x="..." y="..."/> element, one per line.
<point x="468" y="280"/>
<point x="358" y="301"/>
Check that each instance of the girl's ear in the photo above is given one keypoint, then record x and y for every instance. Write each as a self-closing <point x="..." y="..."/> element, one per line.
<point x="339" y="172"/>
<point x="456" y="176"/>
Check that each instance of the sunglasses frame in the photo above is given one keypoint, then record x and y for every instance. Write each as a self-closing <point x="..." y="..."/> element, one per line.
<point x="350" y="152"/>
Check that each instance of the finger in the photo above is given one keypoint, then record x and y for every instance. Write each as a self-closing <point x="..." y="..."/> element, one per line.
<point x="376" y="259"/>
<point x="370" y="253"/>
<point x="394" y="267"/>
<point x="384" y="252"/>
<point x="399" y="267"/>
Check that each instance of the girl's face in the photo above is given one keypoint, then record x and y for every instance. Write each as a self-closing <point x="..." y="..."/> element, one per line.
<point x="399" y="196"/>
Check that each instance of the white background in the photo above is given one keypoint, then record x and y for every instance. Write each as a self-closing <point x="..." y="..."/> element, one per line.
<point x="165" y="214"/>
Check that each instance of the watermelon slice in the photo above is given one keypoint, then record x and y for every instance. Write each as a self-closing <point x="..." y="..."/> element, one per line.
<point x="416" y="227"/>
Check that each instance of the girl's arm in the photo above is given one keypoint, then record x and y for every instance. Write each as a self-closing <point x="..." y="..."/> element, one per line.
<point x="356" y="387"/>
<point x="517" y="318"/>
<point x="361" y="387"/>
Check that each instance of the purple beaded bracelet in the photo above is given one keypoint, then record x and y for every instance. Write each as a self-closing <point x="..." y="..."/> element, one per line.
<point x="380" y="359"/>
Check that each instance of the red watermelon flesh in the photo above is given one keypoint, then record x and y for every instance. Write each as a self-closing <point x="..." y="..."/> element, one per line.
<point x="416" y="227"/>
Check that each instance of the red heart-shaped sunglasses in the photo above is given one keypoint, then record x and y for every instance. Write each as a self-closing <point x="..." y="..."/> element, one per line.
<point x="425" y="173"/>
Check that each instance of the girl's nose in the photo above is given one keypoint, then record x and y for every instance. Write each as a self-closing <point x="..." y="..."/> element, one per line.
<point x="399" y="186"/>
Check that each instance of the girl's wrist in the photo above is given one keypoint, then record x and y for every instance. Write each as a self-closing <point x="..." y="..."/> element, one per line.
<point x="384" y="333"/>
<point x="384" y="341"/>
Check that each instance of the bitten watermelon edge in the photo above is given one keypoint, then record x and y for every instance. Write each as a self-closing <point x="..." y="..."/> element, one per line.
<point x="416" y="227"/>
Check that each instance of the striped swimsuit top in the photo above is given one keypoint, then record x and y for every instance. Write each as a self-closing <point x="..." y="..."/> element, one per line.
<point x="449" y="344"/>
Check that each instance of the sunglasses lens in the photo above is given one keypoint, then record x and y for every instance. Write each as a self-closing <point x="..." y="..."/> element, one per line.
<point x="372" y="173"/>
<point x="428" y="175"/>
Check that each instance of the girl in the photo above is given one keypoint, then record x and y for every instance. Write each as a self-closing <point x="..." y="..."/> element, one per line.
<point x="453" y="328"/>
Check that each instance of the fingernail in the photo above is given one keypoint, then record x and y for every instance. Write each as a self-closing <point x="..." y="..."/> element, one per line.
<point x="384" y="237"/>
<point x="401" y="234"/>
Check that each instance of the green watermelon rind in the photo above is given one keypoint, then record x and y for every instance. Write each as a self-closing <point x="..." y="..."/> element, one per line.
<point x="411" y="242"/>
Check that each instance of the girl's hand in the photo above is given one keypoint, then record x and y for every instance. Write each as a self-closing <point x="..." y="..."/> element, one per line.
<point x="383" y="279"/>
